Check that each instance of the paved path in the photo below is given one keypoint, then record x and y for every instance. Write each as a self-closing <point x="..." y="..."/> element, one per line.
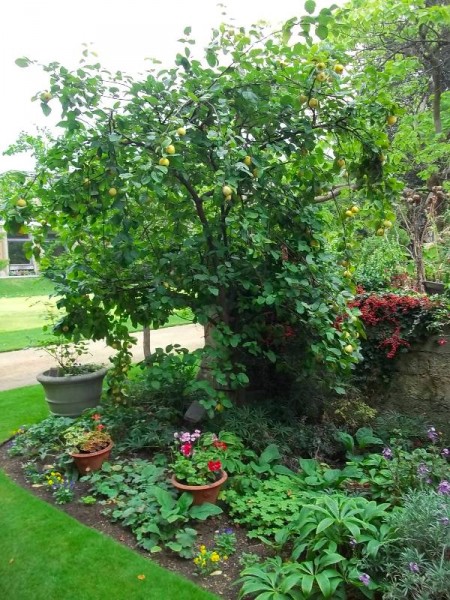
<point x="20" y="368"/>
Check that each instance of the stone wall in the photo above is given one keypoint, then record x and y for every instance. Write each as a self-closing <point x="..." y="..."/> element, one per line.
<point x="420" y="384"/>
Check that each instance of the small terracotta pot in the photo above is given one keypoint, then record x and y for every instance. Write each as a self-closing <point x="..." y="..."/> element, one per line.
<point x="93" y="461"/>
<point x="202" y="493"/>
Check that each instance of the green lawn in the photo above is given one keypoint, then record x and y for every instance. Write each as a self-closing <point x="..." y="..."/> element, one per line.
<point x="24" y="306"/>
<point x="12" y="287"/>
<point x="47" y="555"/>
<point x="22" y="406"/>
<point x="21" y="321"/>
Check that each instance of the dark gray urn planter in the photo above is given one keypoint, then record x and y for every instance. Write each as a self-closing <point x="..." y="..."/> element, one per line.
<point x="69" y="396"/>
<point x="433" y="287"/>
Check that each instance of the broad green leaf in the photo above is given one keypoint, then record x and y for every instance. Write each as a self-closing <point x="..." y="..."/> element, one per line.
<point x="203" y="511"/>
<point x="307" y="583"/>
<point x="310" y="6"/>
<point x="22" y="62"/>
<point x="322" y="32"/>
<point x="324" y="524"/>
<point x="270" y="454"/>
<point x="324" y="584"/>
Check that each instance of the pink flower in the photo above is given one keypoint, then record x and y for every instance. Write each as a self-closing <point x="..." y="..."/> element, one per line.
<point x="96" y="417"/>
<point x="186" y="449"/>
<point x="100" y="427"/>
<point x="442" y="342"/>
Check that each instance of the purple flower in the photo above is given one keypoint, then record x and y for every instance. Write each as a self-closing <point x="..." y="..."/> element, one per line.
<point x="228" y="530"/>
<point x="432" y="434"/>
<point x="444" y="521"/>
<point x="445" y="453"/>
<point x="444" y="487"/>
<point x="364" y="578"/>
<point x="423" y="470"/>
<point x="387" y="453"/>
<point x="353" y="543"/>
<point x="413" y="567"/>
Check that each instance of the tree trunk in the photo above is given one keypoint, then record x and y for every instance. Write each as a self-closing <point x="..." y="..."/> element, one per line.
<point x="146" y="341"/>
<point x="420" y="268"/>
<point x="437" y="89"/>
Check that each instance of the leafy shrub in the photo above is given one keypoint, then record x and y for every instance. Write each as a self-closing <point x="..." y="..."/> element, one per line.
<point x="141" y="427"/>
<point x="392" y="474"/>
<point x="380" y="259"/>
<point x="277" y="500"/>
<point x="41" y="440"/>
<point x="349" y="411"/>
<point x="144" y="501"/>
<point x="258" y="426"/>
<point x="416" y="561"/>
<point x="406" y="430"/>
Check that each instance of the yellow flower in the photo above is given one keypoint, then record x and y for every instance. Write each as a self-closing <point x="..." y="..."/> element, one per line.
<point x="215" y="557"/>
<point x="225" y="557"/>
<point x="197" y="560"/>
<point x="50" y="482"/>
<point x="202" y="549"/>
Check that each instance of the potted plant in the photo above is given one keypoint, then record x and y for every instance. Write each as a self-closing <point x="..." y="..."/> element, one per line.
<point x="197" y="465"/>
<point x="71" y="387"/>
<point x="89" y="447"/>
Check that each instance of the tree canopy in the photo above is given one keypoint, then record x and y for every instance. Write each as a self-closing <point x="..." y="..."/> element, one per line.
<point x="214" y="184"/>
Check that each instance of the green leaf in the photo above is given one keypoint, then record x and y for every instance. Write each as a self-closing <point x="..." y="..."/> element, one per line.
<point x="203" y="511"/>
<point x="322" y="32"/>
<point x="45" y="108"/>
<point x="184" y="502"/>
<point x="324" y="524"/>
<point x="270" y="454"/>
<point x="211" y="58"/>
<point x="307" y="583"/>
<point x="23" y="62"/>
<point x="164" y="499"/>
<point x="308" y="465"/>
<point x="324" y="584"/>
<point x="310" y="6"/>
<point x="330" y="559"/>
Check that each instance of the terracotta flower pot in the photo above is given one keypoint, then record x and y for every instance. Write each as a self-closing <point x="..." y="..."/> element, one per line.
<point x="92" y="461"/>
<point x="202" y="493"/>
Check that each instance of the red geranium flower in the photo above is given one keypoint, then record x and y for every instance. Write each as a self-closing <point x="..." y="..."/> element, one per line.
<point x="96" y="417"/>
<point x="220" y="445"/>
<point x="214" y="465"/>
<point x="186" y="449"/>
<point x="100" y="427"/>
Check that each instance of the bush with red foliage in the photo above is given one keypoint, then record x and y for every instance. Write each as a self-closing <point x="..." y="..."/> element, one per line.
<point x="391" y="319"/>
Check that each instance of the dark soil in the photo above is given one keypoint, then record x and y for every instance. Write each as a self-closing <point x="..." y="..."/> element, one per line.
<point x="91" y="515"/>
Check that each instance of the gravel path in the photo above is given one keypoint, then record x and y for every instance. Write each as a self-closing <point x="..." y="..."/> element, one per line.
<point x="19" y="368"/>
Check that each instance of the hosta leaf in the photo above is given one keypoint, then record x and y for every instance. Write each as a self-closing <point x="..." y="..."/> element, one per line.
<point x="204" y="511"/>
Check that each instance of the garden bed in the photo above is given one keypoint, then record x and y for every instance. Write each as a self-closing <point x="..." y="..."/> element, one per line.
<point x="326" y="527"/>
<point x="92" y="516"/>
